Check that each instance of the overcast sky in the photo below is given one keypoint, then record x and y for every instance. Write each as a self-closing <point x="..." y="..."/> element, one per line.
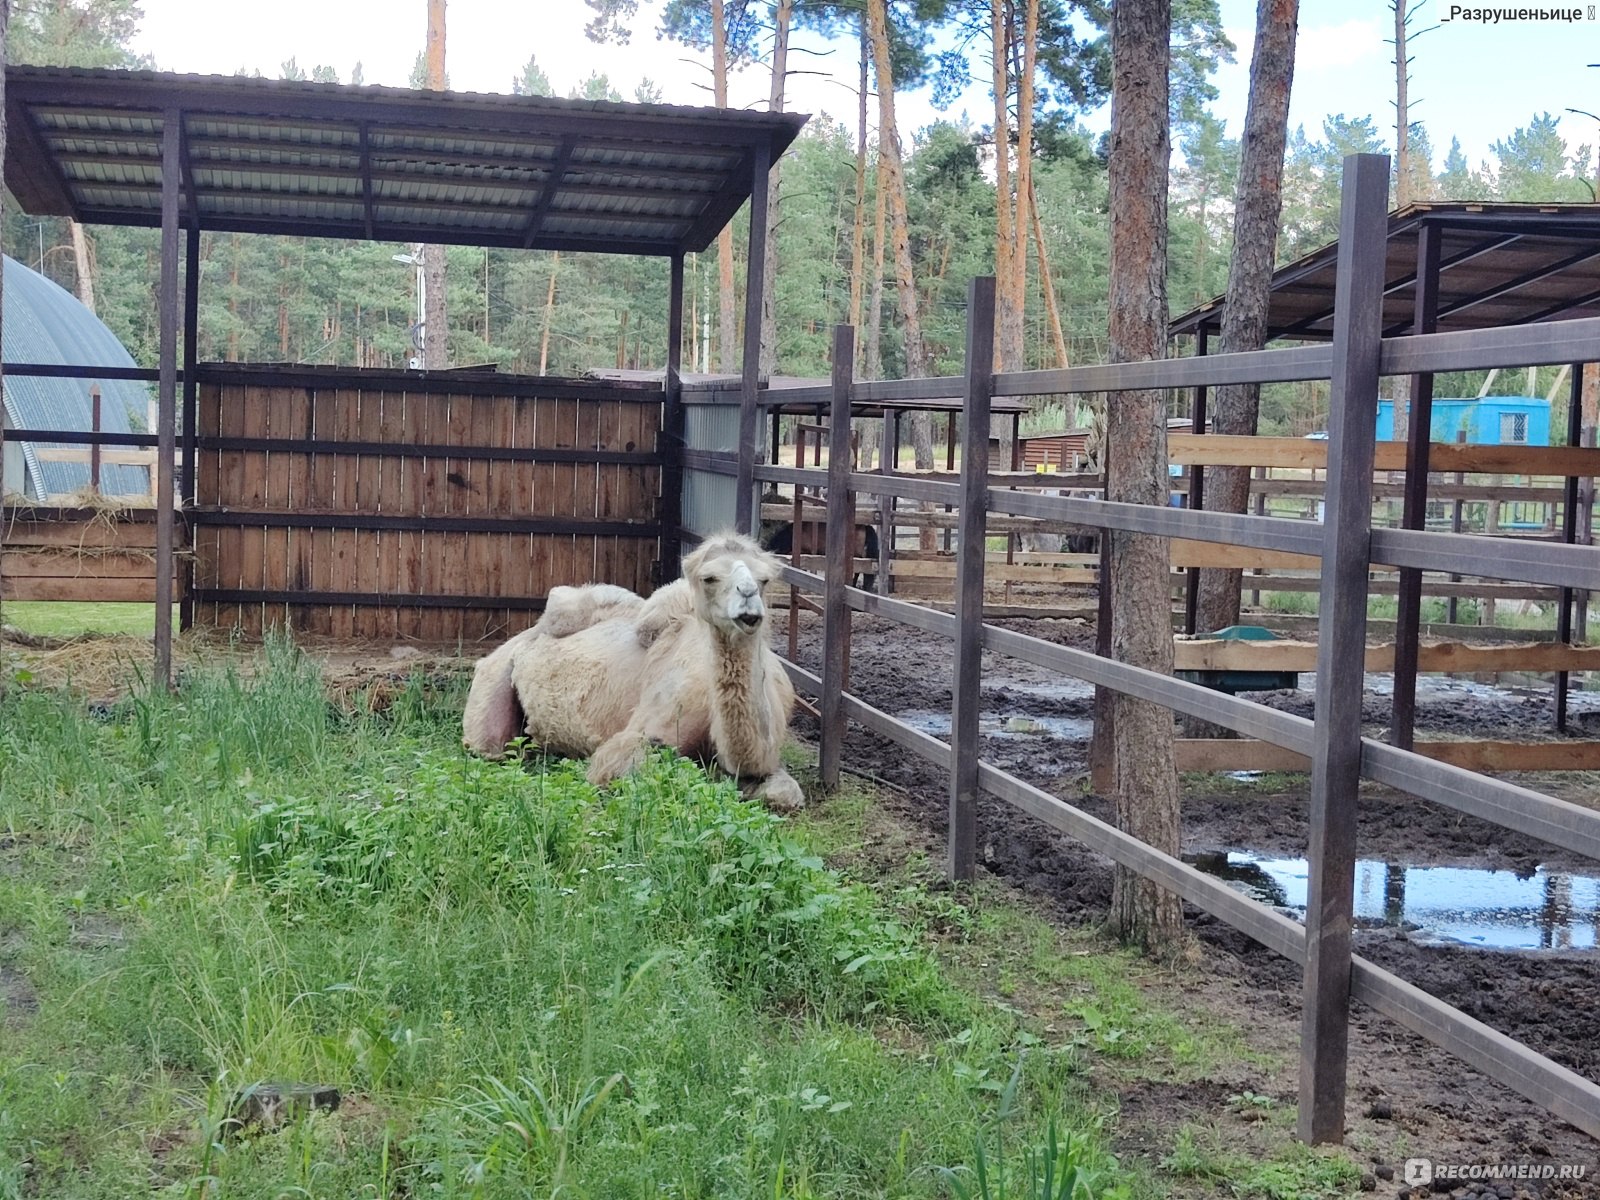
<point x="1475" y="82"/>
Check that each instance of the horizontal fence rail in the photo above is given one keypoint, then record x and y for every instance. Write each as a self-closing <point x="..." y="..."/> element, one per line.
<point x="1557" y="1088"/>
<point x="1354" y="362"/>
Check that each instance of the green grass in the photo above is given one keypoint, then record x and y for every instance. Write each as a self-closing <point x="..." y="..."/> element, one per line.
<point x="522" y="986"/>
<point x="65" y="618"/>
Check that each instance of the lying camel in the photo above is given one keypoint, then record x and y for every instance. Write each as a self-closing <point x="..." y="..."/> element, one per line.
<point x="688" y="668"/>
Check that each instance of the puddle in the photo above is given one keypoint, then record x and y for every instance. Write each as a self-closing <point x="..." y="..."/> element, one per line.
<point x="1498" y="910"/>
<point x="1005" y="725"/>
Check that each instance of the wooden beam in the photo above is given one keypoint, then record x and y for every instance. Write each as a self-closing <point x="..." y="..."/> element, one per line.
<point x="1215" y="449"/>
<point x="87" y="589"/>
<point x="1247" y="754"/>
<point x="168" y="313"/>
<point x="839" y="534"/>
<point x="965" y="746"/>
<point x="1342" y="610"/>
<point x="54" y="564"/>
<point x="1211" y="654"/>
<point x="547" y="195"/>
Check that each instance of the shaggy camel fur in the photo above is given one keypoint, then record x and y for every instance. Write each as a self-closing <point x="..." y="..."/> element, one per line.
<point x="688" y="668"/>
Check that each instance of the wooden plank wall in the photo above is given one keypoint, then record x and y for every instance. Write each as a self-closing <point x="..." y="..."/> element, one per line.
<point x="278" y="529"/>
<point x="82" y="555"/>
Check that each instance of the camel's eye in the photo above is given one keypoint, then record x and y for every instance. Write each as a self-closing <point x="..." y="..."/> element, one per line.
<point x="710" y="580"/>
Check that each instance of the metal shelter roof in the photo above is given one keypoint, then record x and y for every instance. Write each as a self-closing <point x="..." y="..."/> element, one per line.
<point x="1499" y="264"/>
<point x="44" y="323"/>
<point x="380" y="163"/>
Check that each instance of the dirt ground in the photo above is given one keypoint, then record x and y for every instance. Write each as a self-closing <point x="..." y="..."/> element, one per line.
<point x="1406" y="1097"/>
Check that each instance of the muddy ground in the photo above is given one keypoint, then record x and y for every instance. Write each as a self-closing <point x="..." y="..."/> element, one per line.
<point x="1406" y="1097"/>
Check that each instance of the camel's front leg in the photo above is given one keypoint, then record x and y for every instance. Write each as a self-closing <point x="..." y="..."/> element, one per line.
<point x="779" y="792"/>
<point x="623" y="752"/>
<point x="617" y="755"/>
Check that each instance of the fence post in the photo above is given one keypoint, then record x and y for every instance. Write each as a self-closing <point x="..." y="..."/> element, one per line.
<point x="94" y="448"/>
<point x="841" y="554"/>
<point x="1341" y="630"/>
<point x="969" y="578"/>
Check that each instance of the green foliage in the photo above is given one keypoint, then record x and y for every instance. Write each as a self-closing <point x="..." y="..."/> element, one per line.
<point x="497" y="965"/>
<point x="1061" y="1168"/>
<point x="1297" y="1173"/>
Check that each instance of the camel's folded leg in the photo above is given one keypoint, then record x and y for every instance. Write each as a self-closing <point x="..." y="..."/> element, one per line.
<point x="492" y="716"/>
<point x="619" y="754"/>
<point x="779" y="792"/>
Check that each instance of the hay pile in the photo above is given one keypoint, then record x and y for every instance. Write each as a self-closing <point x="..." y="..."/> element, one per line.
<point x="93" y="664"/>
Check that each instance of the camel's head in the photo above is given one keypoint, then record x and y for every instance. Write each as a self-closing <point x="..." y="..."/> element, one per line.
<point x="727" y="573"/>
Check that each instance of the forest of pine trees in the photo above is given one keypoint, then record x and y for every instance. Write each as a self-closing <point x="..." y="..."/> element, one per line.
<point x="334" y="302"/>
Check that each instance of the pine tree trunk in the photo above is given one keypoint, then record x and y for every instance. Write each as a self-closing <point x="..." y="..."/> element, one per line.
<point x="435" y="328"/>
<point x="1019" y="253"/>
<point x="727" y="323"/>
<point x="549" y="312"/>
<point x="858" y="231"/>
<point x="875" y="311"/>
<point x="1257" y="207"/>
<point x="83" y="262"/>
<point x="1402" y="116"/>
<point x="768" y="363"/>
<point x="233" y="300"/>
<point x="1146" y="800"/>
<point x="1008" y="322"/>
<point x="1047" y="283"/>
<point x="900" y="226"/>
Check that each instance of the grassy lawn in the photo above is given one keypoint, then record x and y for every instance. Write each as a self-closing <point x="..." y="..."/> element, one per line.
<point x="519" y="985"/>
<point x="524" y="987"/>
<point x="64" y="618"/>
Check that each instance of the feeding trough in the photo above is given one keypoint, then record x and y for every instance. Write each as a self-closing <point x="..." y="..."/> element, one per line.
<point x="1234" y="680"/>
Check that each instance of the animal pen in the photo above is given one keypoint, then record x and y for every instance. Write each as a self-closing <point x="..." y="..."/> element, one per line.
<point x="438" y="506"/>
<point x="1346" y="547"/>
<point x="445" y="505"/>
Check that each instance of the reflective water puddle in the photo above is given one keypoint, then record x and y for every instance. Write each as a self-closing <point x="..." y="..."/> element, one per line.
<point x="1499" y="910"/>
<point x="1007" y="725"/>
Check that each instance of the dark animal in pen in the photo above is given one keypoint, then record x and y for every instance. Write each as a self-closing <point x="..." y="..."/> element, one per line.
<point x="813" y="540"/>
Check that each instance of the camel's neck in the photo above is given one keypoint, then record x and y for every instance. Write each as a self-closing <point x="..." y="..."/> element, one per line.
<point x="743" y="723"/>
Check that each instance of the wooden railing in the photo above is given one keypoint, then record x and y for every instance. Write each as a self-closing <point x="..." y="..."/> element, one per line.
<point x="1347" y="546"/>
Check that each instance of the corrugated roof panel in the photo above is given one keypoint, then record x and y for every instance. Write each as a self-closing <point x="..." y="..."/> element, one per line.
<point x="120" y="173"/>
<point x="91" y="144"/>
<point x="81" y="121"/>
<point x="652" y="206"/>
<point x="626" y="228"/>
<point x="425" y="142"/>
<point x="280" y="132"/>
<point x="629" y="178"/>
<point x="657" y="174"/>
<point x="106" y="195"/>
<point x="646" y="156"/>
<point x="285" y="181"/>
<point x="45" y="324"/>
<point x="450" y="216"/>
<point x="274" y="155"/>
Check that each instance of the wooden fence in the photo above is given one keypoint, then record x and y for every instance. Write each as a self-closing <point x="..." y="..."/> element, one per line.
<point x="79" y="554"/>
<point x="439" y="507"/>
<point x="383" y="504"/>
<point x="1334" y="746"/>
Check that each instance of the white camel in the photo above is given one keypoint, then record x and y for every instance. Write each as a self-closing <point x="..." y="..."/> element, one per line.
<point x="609" y="675"/>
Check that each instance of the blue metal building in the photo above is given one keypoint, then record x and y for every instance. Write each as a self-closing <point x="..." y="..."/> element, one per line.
<point x="1486" y="420"/>
<point x="44" y="323"/>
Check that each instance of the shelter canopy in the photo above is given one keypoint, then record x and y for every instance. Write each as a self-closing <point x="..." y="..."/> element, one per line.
<point x="379" y="163"/>
<point x="1499" y="264"/>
